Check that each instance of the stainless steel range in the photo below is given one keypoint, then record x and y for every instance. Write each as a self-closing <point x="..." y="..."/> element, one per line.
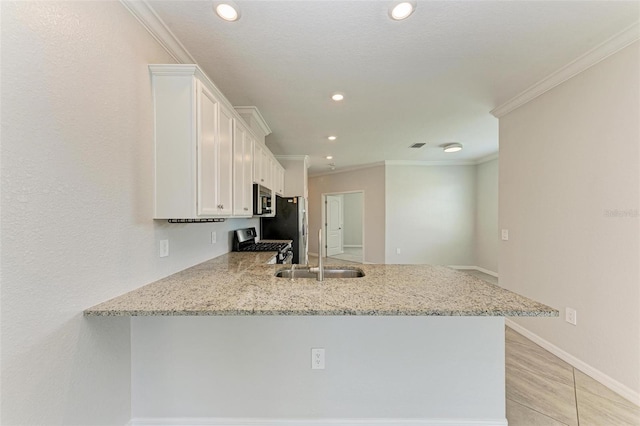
<point x="245" y="240"/>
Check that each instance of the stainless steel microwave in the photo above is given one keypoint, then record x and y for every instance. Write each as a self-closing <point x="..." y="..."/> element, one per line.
<point x="261" y="200"/>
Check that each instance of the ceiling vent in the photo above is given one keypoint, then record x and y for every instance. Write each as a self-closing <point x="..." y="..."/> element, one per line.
<point x="418" y="145"/>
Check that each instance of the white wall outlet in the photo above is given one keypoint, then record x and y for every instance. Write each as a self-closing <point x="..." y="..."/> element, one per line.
<point x="397" y="251"/>
<point x="164" y="248"/>
<point x="317" y="358"/>
<point x="570" y="316"/>
<point x="214" y="238"/>
<point x="505" y="235"/>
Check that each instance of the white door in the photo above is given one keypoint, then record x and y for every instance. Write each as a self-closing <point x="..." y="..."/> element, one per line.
<point x="334" y="217"/>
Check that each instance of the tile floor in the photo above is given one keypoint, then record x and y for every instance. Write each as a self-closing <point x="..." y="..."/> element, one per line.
<point x="543" y="390"/>
<point x="351" y="254"/>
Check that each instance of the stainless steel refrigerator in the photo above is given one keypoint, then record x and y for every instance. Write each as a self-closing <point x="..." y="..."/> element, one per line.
<point x="290" y="223"/>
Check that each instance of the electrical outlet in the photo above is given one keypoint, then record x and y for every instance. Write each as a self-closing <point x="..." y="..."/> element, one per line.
<point x="164" y="248"/>
<point x="317" y="358"/>
<point x="505" y="235"/>
<point x="571" y="316"/>
<point x="213" y="237"/>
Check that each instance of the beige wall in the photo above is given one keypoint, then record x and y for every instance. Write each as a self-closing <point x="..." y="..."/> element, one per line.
<point x="569" y="195"/>
<point x="77" y="203"/>
<point x="372" y="182"/>
<point x="430" y="214"/>
<point x="487" y="234"/>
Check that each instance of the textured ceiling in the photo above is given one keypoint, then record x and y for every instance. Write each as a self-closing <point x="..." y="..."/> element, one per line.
<point x="432" y="78"/>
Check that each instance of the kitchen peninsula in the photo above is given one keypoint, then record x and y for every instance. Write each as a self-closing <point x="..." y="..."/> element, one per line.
<point x="226" y="341"/>
<point x="243" y="284"/>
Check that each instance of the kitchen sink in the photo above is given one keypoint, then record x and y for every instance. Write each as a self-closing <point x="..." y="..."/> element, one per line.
<point x="329" y="272"/>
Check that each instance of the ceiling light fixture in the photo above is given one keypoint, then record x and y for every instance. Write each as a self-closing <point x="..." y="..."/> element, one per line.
<point x="329" y="157"/>
<point x="227" y="10"/>
<point x="337" y="97"/>
<point x="452" y="147"/>
<point x="402" y="10"/>
<point x="332" y="138"/>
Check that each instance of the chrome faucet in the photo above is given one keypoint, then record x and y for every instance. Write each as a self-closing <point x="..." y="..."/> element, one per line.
<point x="320" y="269"/>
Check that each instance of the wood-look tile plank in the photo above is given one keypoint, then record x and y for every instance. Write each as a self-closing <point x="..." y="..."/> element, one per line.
<point x="519" y="415"/>
<point x="594" y="410"/>
<point x="540" y="362"/>
<point x="549" y="397"/>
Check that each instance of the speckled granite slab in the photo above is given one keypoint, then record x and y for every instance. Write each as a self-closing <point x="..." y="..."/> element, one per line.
<point x="242" y="284"/>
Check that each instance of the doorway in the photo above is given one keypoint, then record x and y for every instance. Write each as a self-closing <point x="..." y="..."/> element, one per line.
<point x="343" y="218"/>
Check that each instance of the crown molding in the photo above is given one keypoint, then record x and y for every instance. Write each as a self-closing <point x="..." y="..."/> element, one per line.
<point x="145" y="14"/>
<point x="605" y="49"/>
<point x="428" y="163"/>
<point x="488" y="158"/>
<point x="385" y="163"/>
<point x="305" y="158"/>
<point x="255" y="114"/>
<point x="348" y="169"/>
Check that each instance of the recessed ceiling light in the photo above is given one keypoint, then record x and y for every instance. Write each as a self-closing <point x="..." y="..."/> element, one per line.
<point x="402" y="10"/>
<point x="337" y="97"/>
<point x="452" y="147"/>
<point x="332" y="138"/>
<point x="227" y="11"/>
<point x="329" y="157"/>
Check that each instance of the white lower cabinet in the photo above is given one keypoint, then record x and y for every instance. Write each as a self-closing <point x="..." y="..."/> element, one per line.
<point x="193" y="145"/>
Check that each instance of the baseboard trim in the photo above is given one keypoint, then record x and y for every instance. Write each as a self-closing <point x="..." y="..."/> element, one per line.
<point x="486" y="271"/>
<point x="312" y="254"/>
<point x="197" y="421"/>
<point x="352" y="245"/>
<point x="617" y="387"/>
<point x="475" y="268"/>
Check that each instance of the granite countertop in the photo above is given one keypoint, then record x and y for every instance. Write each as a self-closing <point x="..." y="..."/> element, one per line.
<point x="243" y="284"/>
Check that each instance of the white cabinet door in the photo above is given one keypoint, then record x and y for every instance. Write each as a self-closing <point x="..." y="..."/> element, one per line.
<point x="207" y="139"/>
<point x="225" y="163"/>
<point x="266" y="169"/>
<point x="281" y="180"/>
<point x="242" y="172"/>
<point x="258" y="161"/>
<point x="247" y="208"/>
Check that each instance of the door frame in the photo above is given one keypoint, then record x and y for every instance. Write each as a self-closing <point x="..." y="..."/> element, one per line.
<point x="323" y="226"/>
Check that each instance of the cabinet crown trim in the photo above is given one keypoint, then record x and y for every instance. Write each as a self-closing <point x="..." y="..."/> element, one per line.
<point x="254" y="112"/>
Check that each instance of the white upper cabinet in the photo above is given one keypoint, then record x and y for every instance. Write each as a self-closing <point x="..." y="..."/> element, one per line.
<point x="242" y="172"/>
<point x="225" y="162"/>
<point x="262" y="166"/>
<point x="278" y="178"/>
<point x="193" y="145"/>
<point x="295" y="175"/>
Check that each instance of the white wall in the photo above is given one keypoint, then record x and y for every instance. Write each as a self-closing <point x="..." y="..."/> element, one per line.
<point x="376" y="367"/>
<point x="569" y="195"/>
<point x="430" y="214"/>
<point x="352" y="205"/>
<point x="76" y="193"/>
<point x="371" y="181"/>
<point x="487" y="247"/>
